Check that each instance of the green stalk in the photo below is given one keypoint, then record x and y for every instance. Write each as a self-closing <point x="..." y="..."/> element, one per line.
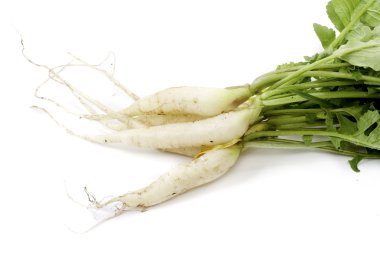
<point x="308" y="85"/>
<point x="281" y="143"/>
<point x="322" y="95"/>
<point x="290" y="144"/>
<point x="322" y="66"/>
<point x="303" y="126"/>
<point x="307" y="132"/>
<point x="287" y="120"/>
<point x="274" y="76"/>
<point x="371" y="79"/>
<point x="295" y="75"/>
<point x="265" y="81"/>
<point x="293" y="111"/>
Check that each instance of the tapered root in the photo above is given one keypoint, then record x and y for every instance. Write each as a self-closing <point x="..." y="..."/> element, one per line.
<point x="200" y="171"/>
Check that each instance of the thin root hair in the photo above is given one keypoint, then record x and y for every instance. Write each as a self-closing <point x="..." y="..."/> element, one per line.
<point x="54" y="74"/>
<point x="111" y="77"/>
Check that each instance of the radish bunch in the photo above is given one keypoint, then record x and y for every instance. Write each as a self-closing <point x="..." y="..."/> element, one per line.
<point x="334" y="94"/>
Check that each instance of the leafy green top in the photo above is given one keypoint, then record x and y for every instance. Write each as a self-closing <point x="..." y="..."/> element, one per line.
<point x="334" y="94"/>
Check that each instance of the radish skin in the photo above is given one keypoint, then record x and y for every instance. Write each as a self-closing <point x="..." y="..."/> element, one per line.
<point x="200" y="101"/>
<point x="186" y="151"/>
<point x="156" y="120"/>
<point x="200" y="171"/>
<point x="211" y="131"/>
<point x="142" y="121"/>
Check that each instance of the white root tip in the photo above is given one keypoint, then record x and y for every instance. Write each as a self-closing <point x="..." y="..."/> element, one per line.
<point x="200" y="171"/>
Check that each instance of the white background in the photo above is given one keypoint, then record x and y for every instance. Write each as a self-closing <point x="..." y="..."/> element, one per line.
<point x="271" y="201"/>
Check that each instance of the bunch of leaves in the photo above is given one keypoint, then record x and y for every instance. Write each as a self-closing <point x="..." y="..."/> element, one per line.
<point x="333" y="94"/>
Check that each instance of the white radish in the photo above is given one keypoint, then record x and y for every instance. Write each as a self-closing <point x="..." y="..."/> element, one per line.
<point x="200" y="171"/>
<point x="186" y="151"/>
<point x="143" y="121"/>
<point x="156" y="120"/>
<point x="200" y="101"/>
<point x="211" y="131"/>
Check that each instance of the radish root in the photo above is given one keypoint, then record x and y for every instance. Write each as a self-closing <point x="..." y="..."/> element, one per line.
<point x="184" y="177"/>
<point x="177" y="120"/>
<point x="88" y="103"/>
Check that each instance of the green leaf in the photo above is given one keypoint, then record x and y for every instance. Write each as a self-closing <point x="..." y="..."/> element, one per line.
<point x="360" y="32"/>
<point x="367" y="120"/>
<point x="376" y="31"/>
<point x="354" y="111"/>
<point x="364" y="132"/>
<point x="290" y="65"/>
<point x="357" y="75"/>
<point x="369" y="129"/>
<point x="354" y="163"/>
<point x="346" y="126"/>
<point x="372" y="15"/>
<point x="340" y="12"/>
<point x="346" y="14"/>
<point x="363" y="32"/>
<point x="326" y="35"/>
<point x="362" y="54"/>
<point x="312" y="58"/>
